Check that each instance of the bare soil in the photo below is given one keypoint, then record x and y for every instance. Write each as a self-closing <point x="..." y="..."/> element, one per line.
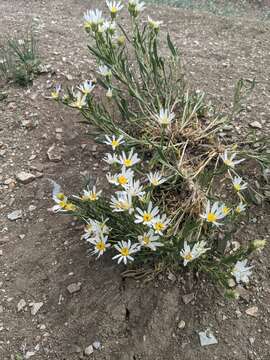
<point x="42" y="253"/>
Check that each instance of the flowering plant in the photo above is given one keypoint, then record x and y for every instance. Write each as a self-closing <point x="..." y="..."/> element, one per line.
<point x="169" y="168"/>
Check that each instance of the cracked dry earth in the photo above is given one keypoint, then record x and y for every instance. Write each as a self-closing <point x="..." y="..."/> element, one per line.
<point x="41" y="254"/>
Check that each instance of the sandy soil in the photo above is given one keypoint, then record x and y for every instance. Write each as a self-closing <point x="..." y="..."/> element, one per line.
<point x="42" y="253"/>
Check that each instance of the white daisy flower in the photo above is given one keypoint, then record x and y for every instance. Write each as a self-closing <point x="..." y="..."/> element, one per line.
<point x="93" y="18"/>
<point x="134" y="188"/>
<point x="62" y="203"/>
<point x="165" y="117"/>
<point x="149" y="240"/>
<point x="155" y="178"/>
<point x="80" y="100"/>
<point x="239" y="184"/>
<point x="147" y="217"/>
<point x="100" y="245"/>
<point x="91" y="195"/>
<point x="189" y="254"/>
<point x="240" y="207"/>
<point x="213" y="213"/>
<point x="86" y="87"/>
<point x="95" y="228"/>
<point x="241" y="272"/>
<point x="160" y="224"/>
<point x="56" y="92"/>
<point x="135" y="7"/>
<point x="122" y="202"/>
<point x="126" y="249"/>
<point x="125" y="177"/>
<point x="113" y="141"/>
<point x="154" y="24"/>
<point x="110" y="159"/>
<point x="114" y="7"/>
<point x="109" y="93"/>
<point x="129" y="160"/>
<point x="103" y="70"/>
<point x="225" y="209"/>
<point x="229" y="160"/>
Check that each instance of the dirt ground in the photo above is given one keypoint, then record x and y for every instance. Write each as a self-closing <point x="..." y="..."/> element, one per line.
<point x="42" y="253"/>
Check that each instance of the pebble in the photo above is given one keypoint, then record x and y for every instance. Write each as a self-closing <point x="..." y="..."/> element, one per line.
<point x="21" y="305"/>
<point x="172" y="277"/>
<point x="29" y="354"/>
<point x="32" y="208"/>
<point x="253" y="311"/>
<point x="255" y="125"/>
<point x="74" y="287"/>
<point x="96" y="345"/>
<point x="88" y="350"/>
<point x="181" y="324"/>
<point x="24" y="177"/>
<point x="15" y="215"/>
<point x="36" y="307"/>
<point x="188" y="298"/>
<point x="207" y="338"/>
<point x="54" y="154"/>
<point x="1" y="252"/>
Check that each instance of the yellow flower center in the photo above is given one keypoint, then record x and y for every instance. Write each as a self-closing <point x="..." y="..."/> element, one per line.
<point x="159" y="226"/>
<point x="70" y="207"/>
<point x="60" y="196"/>
<point x="122" y="180"/>
<point x="237" y="187"/>
<point x="114" y="10"/>
<point x="146" y="240"/>
<point x="238" y="210"/>
<point x="93" y="196"/>
<point x="125" y="251"/>
<point x="115" y="143"/>
<point x="62" y="204"/>
<point x="54" y="95"/>
<point x="228" y="162"/>
<point x="188" y="257"/>
<point x="101" y="246"/>
<point x="147" y="217"/>
<point x="211" y="217"/>
<point x="225" y="210"/>
<point x="155" y="182"/>
<point x="128" y="162"/>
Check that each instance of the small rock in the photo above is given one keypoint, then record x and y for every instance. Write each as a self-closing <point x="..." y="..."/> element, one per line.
<point x="251" y="340"/>
<point x="25" y="177"/>
<point x="32" y="208"/>
<point x="207" y="338"/>
<point x="188" y="298"/>
<point x="29" y="354"/>
<point x="96" y="345"/>
<point x="1" y="252"/>
<point x="15" y="215"/>
<point x="76" y="349"/>
<point x="172" y="277"/>
<point x="255" y="125"/>
<point x="54" y="154"/>
<point x="73" y="288"/>
<point x="21" y="305"/>
<point x="28" y="124"/>
<point x="36" y="307"/>
<point x="88" y="350"/>
<point x="181" y="324"/>
<point x="42" y="327"/>
<point x="58" y="130"/>
<point x="253" y="311"/>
